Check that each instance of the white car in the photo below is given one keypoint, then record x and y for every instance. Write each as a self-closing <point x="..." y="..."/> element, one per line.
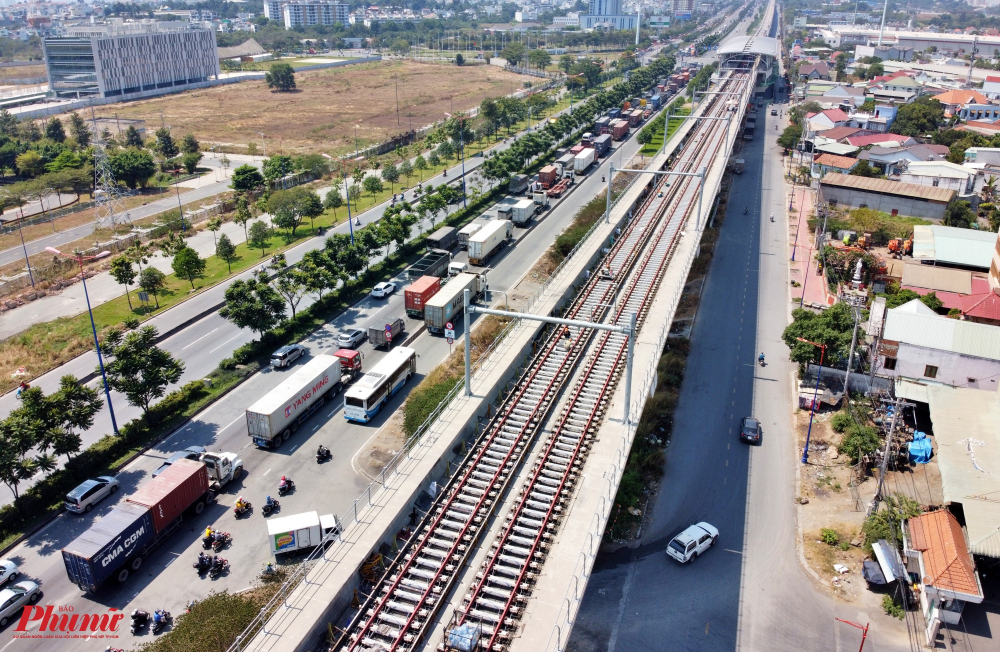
<point x="8" y="570"/>
<point x="692" y="542"/>
<point x="352" y="338"/>
<point x="383" y="290"/>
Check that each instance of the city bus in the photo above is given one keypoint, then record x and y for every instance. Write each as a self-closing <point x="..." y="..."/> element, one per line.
<point x="368" y="395"/>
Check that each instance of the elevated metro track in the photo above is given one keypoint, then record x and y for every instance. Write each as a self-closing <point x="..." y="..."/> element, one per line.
<point x="564" y="394"/>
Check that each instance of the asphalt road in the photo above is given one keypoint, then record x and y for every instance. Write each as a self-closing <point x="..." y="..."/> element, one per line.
<point x="167" y="580"/>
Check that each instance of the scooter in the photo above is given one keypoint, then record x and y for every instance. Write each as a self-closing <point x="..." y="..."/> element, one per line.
<point x="602" y="179"/>
<point x="285" y="486"/>
<point x="745" y="210"/>
<point x="323" y="454"/>
<point x="760" y="359"/>
<point x="772" y="218"/>
<point x="139" y="620"/>
<point x="161" y="619"/>
<point x="218" y="566"/>
<point x="241" y="512"/>
<point x="222" y="539"/>
<point x="203" y="564"/>
<point x="271" y="506"/>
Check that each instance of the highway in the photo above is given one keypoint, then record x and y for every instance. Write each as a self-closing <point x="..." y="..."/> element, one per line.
<point x="167" y="580"/>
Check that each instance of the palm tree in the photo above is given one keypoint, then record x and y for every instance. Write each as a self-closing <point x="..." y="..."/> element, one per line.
<point x="989" y="188"/>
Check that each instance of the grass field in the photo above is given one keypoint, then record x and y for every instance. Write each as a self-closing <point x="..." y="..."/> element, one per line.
<point x="322" y="114"/>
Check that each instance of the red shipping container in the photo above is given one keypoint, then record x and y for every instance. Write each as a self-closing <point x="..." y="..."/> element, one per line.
<point x="575" y="149"/>
<point x="547" y="175"/>
<point x="420" y="291"/>
<point x="167" y="495"/>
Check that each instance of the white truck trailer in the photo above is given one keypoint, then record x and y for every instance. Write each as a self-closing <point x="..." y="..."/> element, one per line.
<point x="522" y="212"/>
<point x="449" y="302"/>
<point x="298" y="531"/>
<point x="583" y="160"/>
<point x="489" y="240"/>
<point x="273" y="418"/>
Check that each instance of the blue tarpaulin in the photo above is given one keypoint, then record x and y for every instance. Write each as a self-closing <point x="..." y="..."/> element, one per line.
<point x="465" y="637"/>
<point x="920" y="448"/>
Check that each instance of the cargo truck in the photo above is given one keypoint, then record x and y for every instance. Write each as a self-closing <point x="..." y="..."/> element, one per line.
<point x="223" y="468"/>
<point x="587" y="140"/>
<point x="583" y="161"/>
<point x="547" y="176"/>
<point x="488" y="241"/>
<point x="522" y="212"/>
<point x="379" y="337"/>
<point x="273" y="418"/>
<point x="602" y="125"/>
<point x="602" y="145"/>
<point x="614" y="114"/>
<point x="518" y="183"/>
<point x="655" y="100"/>
<point x="433" y="263"/>
<point x="565" y="165"/>
<point x="541" y="200"/>
<point x="448" y="304"/>
<point x="444" y="238"/>
<point x="116" y="545"/>
<point x="634" y="118"/>
<point x="415" y="297"/>
<point x="619" y="129"/>
<point x="466" y="232"/>
<point x="298" y="531"/>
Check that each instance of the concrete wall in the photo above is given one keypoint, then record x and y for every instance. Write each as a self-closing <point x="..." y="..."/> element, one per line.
<point x="859" y="381"/>
<point x="953" y="368"/>
<point x="851" y="198"/>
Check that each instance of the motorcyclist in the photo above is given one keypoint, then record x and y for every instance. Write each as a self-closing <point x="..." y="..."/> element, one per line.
<point x="139" y="616"/>
<point x="445" y="173"/>
<point x="602" y="178"/>
<point x="322" y="450"/>
<point x="760" y="358"/>
<point x="269" y="502"/>
<point x="241" y="504"/>
<point x="209" y="532"/>
<point x="745" y="209"/>
<point x="159" y="616"/>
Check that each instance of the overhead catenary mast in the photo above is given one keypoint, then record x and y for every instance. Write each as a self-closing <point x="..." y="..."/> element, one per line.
<point x="109" y="212"/>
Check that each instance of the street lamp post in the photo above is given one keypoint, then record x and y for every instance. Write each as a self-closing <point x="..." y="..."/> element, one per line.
<point x="347" y="195"/>
<point x="461" y="148"/>
<point x="812" y="410"/>
<point x="263" y="141"/>
<point x="79" y="258"/>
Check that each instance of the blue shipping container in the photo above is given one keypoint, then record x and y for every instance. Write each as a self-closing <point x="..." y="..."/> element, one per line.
<point x="614" y="113"/>
<point x="98" y="553"/>
<point x="655" y="101"/>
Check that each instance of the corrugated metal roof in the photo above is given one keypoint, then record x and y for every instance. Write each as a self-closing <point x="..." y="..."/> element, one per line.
<point x="938" y="278"/>
<point x="967" y="430"/>
<point x="941" y="333"/>
<point x="887" y="187"/>
<point x="963" y="246"/>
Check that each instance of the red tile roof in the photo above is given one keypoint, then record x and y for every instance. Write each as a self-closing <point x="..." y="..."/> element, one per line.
<point x="834" y="161"/>
<point x="864" y="141"/>
<point x="993" y="79"/>
<point x="961" y="97"/>
<point x="948" y="299"/>
<point x="836" y="115"/>
<point x="947" y="562"/>
<point x="982" y="306"/>
<point x="838" y="133"/>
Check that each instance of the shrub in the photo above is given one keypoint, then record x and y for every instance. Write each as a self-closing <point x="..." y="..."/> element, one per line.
<point x="890" y="607"/>
<point x="227" y="364"/>
<point x="884" y="524"/>
<point x="829" y="536"/>
<point x="841" y="421"/>
<point x="859" y="441"/>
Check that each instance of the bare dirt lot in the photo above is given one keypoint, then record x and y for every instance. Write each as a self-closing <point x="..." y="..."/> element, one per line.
<point x="321" y="115"/>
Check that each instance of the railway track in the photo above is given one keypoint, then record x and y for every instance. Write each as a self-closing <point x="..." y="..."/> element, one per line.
<point x="406" y="600"/>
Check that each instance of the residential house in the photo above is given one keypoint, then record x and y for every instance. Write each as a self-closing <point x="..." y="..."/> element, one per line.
<point x="901" y="84"/>
<point x="815" y="70"/>
<point x="991" y="87"/>
<point x="884" y="195"/>
<point x="824" y="145"/>
<point x="954" y="100"/>
<point x="935" y="549"/>
<point x="819" y="122"/>
<point x="938" y="174"/>
<point x="984" y="112"/>
<point x="826" y="163"/>
<point x="841" y="95"/>
<point x="840" y="134"/>
<point x="880" y="139"/>
<point x="884" y="52"/>
<point x="888" y="159"/>
<point x="977" y="157"/>
<point x="878" y="121"/>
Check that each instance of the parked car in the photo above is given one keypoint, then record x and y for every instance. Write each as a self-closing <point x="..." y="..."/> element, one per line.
<point x="83" y="498"/>
<point x="692" y="542"/>
<point x="286" y="355"/>
<point x="8" y="570"/>
<point x="774" y="111"/>
<point x="189" y="453"/>
<point x="14" y="597"/>
<point x="352" y="338"/>
<point x="750" y="430"/>
<point x="383" y="290"/>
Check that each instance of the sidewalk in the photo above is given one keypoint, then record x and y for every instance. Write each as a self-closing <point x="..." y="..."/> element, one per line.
<point x="801" y="243"/>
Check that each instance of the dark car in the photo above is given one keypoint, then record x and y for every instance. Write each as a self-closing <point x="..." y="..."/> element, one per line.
<point x="750" y="430"/>
<point x="189" y="453"/>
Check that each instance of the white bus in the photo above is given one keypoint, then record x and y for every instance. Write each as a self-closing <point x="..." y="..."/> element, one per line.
<point x="366" y="397"/>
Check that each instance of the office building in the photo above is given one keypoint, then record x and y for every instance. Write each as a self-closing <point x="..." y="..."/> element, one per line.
<point x="683" y="9"/>
<point x="272" y="9"/>
<point x="305" y="13"/>
<point x="116" y="59"/>
<point x="607" y="14"/>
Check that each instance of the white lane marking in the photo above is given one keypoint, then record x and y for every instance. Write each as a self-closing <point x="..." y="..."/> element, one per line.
<point x="234" y="421"/>
<point x="266" y="472"/>
<point x="293" y="448"/>
<point x="735" y="552"/>
<point x="225" y="343"/>
<point x="199" y="339"/>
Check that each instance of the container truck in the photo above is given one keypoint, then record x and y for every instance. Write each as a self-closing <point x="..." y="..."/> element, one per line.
<point x="558" y="189"/>
<point x="614" y="114"/>
<point x="576" y="149"/>
<point x="273" y="418"/>
<point x="456" y="268"/>
<point x="619" y="129"/>
<point x="588" y="140"/>
<point x="298" y="531"/>
<point x="489" y="240"/>
<point x="223" y="468"/>
<point x="655" y="100"/>
<point x="447" y="304"/>
<point x="116" y="545"/>
<point x="602" y="145"/>
<point x="547" y="176"/>
<point x="518" y="183"/>
<point x="350" y="364"/>
<point x="541" y="200"/>
<point x="522" y="212"/>
<point x="565" y="164"/>
<point x="583" y="161"/>
<point x="433" y="263"/>
<point x="467" y="232"/>
<point x="443" y="238"/>
<point x="602" y="125"/>
<point x="416" y="296"/>
<point x="634" y="118"/>
<point x="377" y="335"/>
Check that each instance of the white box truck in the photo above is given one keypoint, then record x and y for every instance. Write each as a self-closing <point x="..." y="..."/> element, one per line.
<point x="298" y="531"/>
<point x="522" y="212"/>
<point x="584" y="160"/>
<point x="488" y="241"/>
<point x="449" y="302"/>
<point x="273" y="418"/>
<point x="466" y="232"/>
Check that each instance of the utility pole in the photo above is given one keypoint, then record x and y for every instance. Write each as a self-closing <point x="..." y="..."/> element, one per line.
<point x="972" y="61"/>
<point x="850" y="356"/>
<point x="882" y="28"/>
<point x="885" y="458"/>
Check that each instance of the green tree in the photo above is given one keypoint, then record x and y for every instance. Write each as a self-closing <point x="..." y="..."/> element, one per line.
<point x="132" y="137"/>
<point x="790" y="136"/>
<point x="259" y="236"/>
<point x="832" y="327"/>
<point x="400" y="46"/>
<point x="54" y="130"/>
<point x="566" y="62"/>
<point x="76" y="405"/>
<point x="333" y="201"/>
<point x="133" y="167"/>
<point x="406" y="169"/>
<point x="190" y="144"/>
<point x="373" y="185"/>
<point x="959" y="214"/>
<point x="165" y="144"/>
<point x="190" y="161"/>
<point x="885" y="523"/>
<point x="390" y="173"/>
<point x="153" y="281"/>
<point x="539" y="58"/>
<point x="30" y="164"/>
<point x="513" y="53"/>
<point x="188" y="264"/>
<point x="253" y="304"/>
<point x="78" y="127"/>
<point x="124" y="274"/>
<point x="246" y="178"/>
<point x="289" y="282"/>
<point x="446" y="150"/>
<point x="863" y="169"/>
<point x="459" y="59"/>
<point x="319" y="273"/>
<point x="226" y="250"/>
<point x="277" y="167"/>
<point x="281" y="78"/>
<point x="18" y="438"/>
<point x="918" y="118"/>
<point x="243" y="214"/>
<point x="138" y="368"/>
<point x="420" y="164"/>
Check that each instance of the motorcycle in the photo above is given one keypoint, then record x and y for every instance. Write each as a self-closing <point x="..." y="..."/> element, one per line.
<point x="206" y="541"/>
<point x="285" y="486"/>
<point x="445" y="173"/>
<point x="760" y="359"/>
<point x="322" y="454"/>
<point x="139" y="620"/>
<point x="218" y="566"/>
<point x="240" y="512"/>
<point x="772" y="218"/>
<point x="268" y="570"/>
<point x="161" y="619"/>
<point x="113" y="649"/>
<point x="222" y="539"/>
<point x="270" y="506"/>
<point x="602" y="179"/>
<point x="203" y="564"/>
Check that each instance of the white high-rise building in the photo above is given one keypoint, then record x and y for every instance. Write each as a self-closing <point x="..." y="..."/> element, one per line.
<point x="303" y="13"/>
<point x="607" y="14"/>
<point x="272" y="9"/>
